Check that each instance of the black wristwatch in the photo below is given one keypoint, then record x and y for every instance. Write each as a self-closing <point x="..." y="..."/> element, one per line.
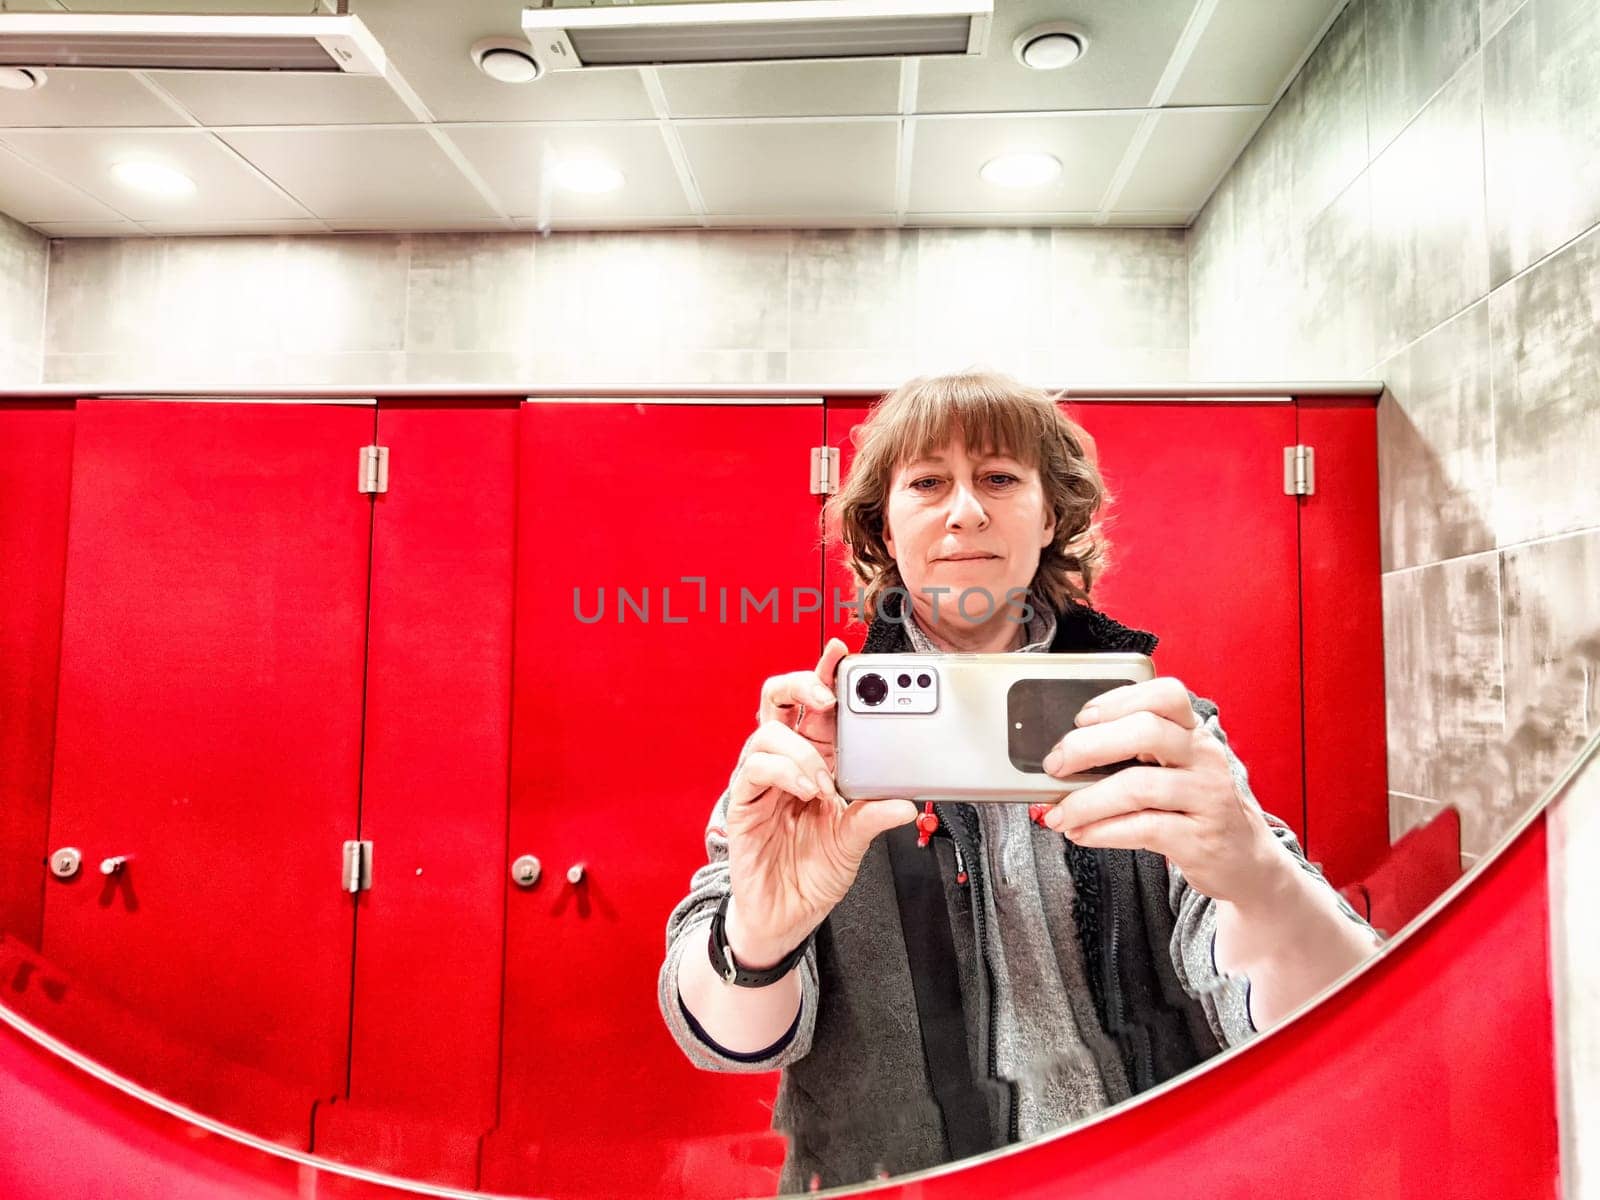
<point x="727" y="966"/>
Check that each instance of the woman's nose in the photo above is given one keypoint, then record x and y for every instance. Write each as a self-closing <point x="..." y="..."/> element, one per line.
<point x="965" y="509"/>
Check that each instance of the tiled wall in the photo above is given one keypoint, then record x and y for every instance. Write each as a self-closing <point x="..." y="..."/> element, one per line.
<point x="842" y="307"/>
<point x="1422" y="207"/>
<point x="24" y="260"/>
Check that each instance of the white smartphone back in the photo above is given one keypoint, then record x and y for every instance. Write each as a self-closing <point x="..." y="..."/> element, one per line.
<point x="971" y="727"/>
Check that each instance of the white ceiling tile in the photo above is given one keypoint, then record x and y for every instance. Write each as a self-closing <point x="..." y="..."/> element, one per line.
<point x="794" y="167"/>
<point x="78" y="99"/>
<point x="935" y="220"/>
<point x="88" y="229"/>
<point x="1161" y="219"/>
<point x="1129" y="45"/>
<point x="512" y="161"/>
<point x="441" y="225"/>
<point x="225" y="187"/>
<point x="802" y="221"/>
<point x="782" y="89"/>
<point x="947" y="153"/>
<point x="239" y="98"/>
<point x="1185" y="157"/>
<point x="1248" y="48"/>
<point x="365" y="174"/>
<point x="32" y="195"/>
<point x="594" y="224"/>
<point x="430" y="44"/>
<point x="226" y="228"/>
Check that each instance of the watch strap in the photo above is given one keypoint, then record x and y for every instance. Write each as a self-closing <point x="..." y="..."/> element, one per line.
<point x="724" y="963"/>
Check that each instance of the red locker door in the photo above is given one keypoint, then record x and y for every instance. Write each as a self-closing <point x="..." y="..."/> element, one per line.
<point x="624" y="733"/>
<point x="35" y="482"/>
<point x="209" y="733"/>
<point x="425" y="1034"/>
<point x="1205" y="554"/>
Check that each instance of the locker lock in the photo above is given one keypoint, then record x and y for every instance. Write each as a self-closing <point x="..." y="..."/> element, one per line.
<point x="526" y="871"/>
<point x="64" y="863"/>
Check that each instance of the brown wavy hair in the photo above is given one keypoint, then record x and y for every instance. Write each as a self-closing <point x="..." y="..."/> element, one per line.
<point x="988" y="412"/>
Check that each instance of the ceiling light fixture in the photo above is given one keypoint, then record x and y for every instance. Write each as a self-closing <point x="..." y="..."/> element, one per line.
<point x="507" y="60"/>
<point x="1050" y="46"/>
<point x="21" y="79"/>
<point x="587" y="175"/>
<point x="153" y="177"/>
<point x="739" y="31"/>
<point x="1021" y="170"/>
<point x="189" y="42"/>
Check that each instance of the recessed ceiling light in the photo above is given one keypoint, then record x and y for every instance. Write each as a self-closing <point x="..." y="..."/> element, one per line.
<point x="587" y="175"/>
<point x="21" y="79"/>
<point x="153" y="177"/>
<point x="1021" y="170"/>
<point x="1050" y="46"/>
<point x="508" y="60"/>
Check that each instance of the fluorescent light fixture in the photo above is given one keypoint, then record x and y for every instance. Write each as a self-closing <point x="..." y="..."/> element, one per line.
<point x="174" y="42"/>
<point x="637" y="35"/>
<point x="587" y="175"/>
<point x="1021" y="170"/>
<point x="153" y="178"/>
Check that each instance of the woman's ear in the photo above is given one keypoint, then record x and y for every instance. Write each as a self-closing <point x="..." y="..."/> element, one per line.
<point x="1049" y="529"/>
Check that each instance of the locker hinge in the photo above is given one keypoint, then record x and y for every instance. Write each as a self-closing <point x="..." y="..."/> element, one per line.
<point x="357" y="867"/>
<point x="374" y="476"/>
<point x="1299" y="471"/>
<point x="824" y="470"/>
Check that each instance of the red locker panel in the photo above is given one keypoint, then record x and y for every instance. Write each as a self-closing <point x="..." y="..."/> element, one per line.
<point x="1347" y="768"/>
<point x="625" y="731"/>
<point x="1430" y="1076"/>
<point x="1203" y="553"/>
<point x="209" y="730"/>
<point x="35" y="483"/>
<point x="425" y="1037"/>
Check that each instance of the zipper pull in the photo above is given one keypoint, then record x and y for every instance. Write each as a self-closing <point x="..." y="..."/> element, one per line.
<point x="926" y="824"/>
<point x="961" y="866"/>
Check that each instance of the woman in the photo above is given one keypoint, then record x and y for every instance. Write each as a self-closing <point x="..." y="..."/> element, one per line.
<point x="1017" y="973"/>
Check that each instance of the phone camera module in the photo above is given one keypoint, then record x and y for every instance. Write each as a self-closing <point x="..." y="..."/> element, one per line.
<point x="923" y="680"/>
<point x="872" y="688"/>
<point x="904" y="681"/>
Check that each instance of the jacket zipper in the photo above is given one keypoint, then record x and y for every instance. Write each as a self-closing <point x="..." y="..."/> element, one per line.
<point x="974" y="869"/>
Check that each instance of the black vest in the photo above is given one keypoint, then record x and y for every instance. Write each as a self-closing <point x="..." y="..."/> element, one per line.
<point x="1124" y="925"/>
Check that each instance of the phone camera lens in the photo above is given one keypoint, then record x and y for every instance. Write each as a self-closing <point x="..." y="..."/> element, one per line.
<point x="872" y="688"/>
<point x="923" y="680"/>
<point x="904" y="681"/>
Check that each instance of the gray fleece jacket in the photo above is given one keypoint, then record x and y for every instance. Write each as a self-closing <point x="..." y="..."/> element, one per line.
<point x="855" y="1096"/>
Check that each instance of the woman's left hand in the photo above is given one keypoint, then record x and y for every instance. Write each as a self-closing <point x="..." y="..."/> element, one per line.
<point x="1180" y="802"/>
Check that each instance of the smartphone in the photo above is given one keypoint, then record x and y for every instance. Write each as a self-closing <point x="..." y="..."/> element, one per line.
<point x="972" y="727"/>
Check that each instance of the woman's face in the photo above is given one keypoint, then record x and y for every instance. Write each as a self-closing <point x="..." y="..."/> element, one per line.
<point x="962" y="521"/>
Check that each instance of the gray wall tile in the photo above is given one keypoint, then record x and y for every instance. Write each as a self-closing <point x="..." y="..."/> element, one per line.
<point x="470" y="292"/>
<point x="982" y="297"/>
<point x="1127" y="288"/>
<point x="1541" y="118"/>
<point x="1436" y="446"/>
<point x="851" y="289"/>
<point x="1552" y="655"/>
<point x="1213" y="286"/>
<point x="1329" y="148"/>
<point x="1431" y="250"/>
<point x="1546" y="330"/>
<point x="1335" y="336"/>
<point x="1442" y="674"/>
<point x="24" y="263"/>
<point x="1492" y="14"/>
<point x="1413" y="47"/>
<point x="1268" y="247"/>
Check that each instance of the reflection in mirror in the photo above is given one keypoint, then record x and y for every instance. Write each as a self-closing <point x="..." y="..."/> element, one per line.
<point x="354" y="818"/>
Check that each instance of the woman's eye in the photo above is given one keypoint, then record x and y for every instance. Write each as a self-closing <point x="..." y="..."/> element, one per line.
<point x="1003" y="478"/>
<point x="916" y="484"/>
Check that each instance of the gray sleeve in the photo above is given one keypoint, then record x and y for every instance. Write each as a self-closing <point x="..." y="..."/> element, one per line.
<point x="1225" y="998"/>
<point x="687" y="930"/>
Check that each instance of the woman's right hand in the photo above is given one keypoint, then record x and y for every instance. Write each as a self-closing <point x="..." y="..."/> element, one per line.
<point x="794" y="844"/>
